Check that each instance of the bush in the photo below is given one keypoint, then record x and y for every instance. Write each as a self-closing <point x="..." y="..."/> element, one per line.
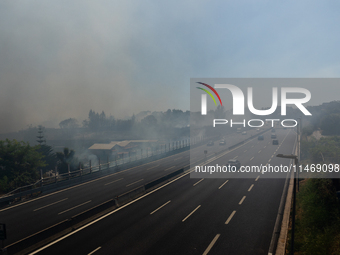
<point x="317" y="219"/>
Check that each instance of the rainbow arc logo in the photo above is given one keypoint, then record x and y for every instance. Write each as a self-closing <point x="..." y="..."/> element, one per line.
<point x="209" y="93"/>
<point x="204" y="97"/>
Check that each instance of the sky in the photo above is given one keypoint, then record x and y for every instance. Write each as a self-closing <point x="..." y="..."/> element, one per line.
<point x="59" y="59"/>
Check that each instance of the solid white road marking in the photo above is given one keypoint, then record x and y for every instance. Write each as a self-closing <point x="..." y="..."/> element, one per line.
<point x="50" y="204"/>
<point x="198" y="182"/>
<point x="134" y="182"/>
<point x="94" y="251"/>
<point x="230" y="217"/>
<point x="160" y="207"/>
<point x="191" y="213"/>
<point x="108" y="214"/>
<point x="169" y="168"/>
<point x="223" y="184"/>
<point x="243" y="198"/>
<point x="113" y="181"/>
<point x="251" y="187"/>
<point x="74" y="207"/>
<point x="119" y="208"/>
<point x="211" y="244"/>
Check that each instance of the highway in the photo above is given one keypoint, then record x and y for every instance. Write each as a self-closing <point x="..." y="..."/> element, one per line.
<point x="29" y="217"/>
<point x="193" y="216"/>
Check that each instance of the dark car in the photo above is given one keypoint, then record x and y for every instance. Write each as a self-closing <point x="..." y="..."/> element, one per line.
<point x="275" y="142"/>
<point x="273" y="130"/>
<point x="222" y="142"/>
<point x="273" y="136"/>
<point x="260" y="137"/>
<point x="234" y="162"/>
<point x="210" y="143"/>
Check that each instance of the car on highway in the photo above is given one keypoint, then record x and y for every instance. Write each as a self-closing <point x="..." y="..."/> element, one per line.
<point x="234" y="162"/>
<point x="244" y="132"/>
<point x="273" y="136"/>
<point x="222" y="142"/>
<point x="275" y="142"/>
<point x="210" y="143"/>
<point x="260" y="137"/>
<point x="273" y="130"/>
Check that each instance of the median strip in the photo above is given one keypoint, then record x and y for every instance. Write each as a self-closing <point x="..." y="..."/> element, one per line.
<point x="160" y="207"/>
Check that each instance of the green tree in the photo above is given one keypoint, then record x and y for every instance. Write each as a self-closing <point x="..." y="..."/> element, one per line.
<point x="49" y="157"/>
<point x="19" y="164"/>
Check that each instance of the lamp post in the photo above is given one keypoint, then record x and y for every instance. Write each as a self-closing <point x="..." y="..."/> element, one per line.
<point x="295" y="157"/>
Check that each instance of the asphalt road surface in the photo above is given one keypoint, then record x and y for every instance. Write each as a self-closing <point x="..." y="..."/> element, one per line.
<point x="29" y="217"/>
<point x="192" y="216"/>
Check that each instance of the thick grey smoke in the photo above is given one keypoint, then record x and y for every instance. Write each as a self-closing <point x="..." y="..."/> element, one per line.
<point x="59" y="59"/>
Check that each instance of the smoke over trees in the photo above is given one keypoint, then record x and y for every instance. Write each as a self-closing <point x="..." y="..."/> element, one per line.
<point x="19" y="164"/>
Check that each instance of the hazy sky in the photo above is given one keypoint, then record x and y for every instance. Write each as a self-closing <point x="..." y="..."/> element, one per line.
<point x="59" y="59"/>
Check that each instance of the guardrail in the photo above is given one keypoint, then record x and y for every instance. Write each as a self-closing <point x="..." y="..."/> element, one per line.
<point x="39" y="239"/>
<point x="68" y="179"/>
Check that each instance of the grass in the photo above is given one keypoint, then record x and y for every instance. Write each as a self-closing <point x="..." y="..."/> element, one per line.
<point x="317" y="219"/>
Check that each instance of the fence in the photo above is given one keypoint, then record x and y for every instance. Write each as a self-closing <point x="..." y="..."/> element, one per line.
<point x="117" y="164"/>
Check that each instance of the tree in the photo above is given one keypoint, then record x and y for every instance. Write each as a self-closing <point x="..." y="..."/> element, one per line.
<point x="66" y="158"/>
<point x="40" y="135"/>
<point x="149" y="121"/>
<point x="69" y="123"/>
<point x="49" y="157"/>
<point x="19" y="164"/>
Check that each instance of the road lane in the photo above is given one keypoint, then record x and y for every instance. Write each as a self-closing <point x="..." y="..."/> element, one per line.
<point x="132" y="231"/>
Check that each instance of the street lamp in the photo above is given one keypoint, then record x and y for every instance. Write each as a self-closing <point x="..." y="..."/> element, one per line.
<point x="295" y="157"/>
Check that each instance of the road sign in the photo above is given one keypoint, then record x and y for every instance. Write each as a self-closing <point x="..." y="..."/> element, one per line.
<point x="2" y="231"/>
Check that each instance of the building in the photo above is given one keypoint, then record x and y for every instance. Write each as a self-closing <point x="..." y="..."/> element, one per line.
<point x="119" y="149"/>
